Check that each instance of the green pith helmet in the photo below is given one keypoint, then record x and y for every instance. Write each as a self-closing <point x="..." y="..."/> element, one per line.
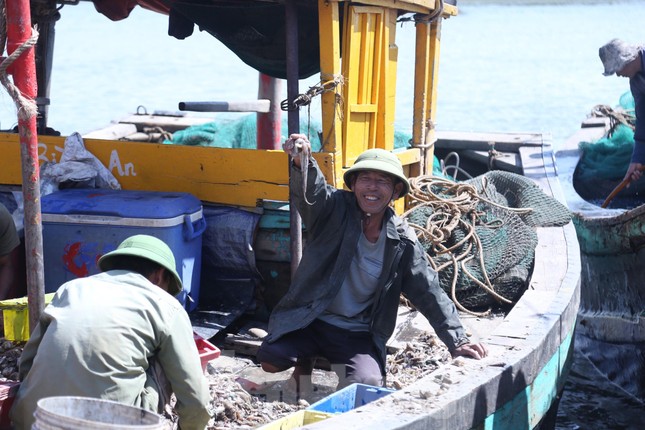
<point x="382" y="161"/>
<point x="148" y="247"/>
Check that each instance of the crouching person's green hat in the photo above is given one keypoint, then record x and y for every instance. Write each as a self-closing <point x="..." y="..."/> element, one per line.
<point x="150" y="248"/>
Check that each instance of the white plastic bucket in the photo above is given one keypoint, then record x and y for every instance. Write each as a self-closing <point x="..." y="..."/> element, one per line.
<point x="83" y="413"/>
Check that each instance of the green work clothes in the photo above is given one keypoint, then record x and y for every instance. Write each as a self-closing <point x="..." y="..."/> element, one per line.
<point x="97" y="338"/>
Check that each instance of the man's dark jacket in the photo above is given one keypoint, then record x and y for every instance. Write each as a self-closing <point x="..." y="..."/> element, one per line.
<point x="333" y="224"/>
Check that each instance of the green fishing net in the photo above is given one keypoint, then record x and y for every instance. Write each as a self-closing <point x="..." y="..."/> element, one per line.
<point x="242" y="133"/>
<point x="626" y="102"/>
<point x="608" y="157"/>
<point x="234" y="133"/>
<point x="493" y="245"/>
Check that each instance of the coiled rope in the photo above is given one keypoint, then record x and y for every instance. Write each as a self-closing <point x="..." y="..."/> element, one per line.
<point x="27" y="108"/>
<point x="454" y="205"/>
<point x="615" y="117"/>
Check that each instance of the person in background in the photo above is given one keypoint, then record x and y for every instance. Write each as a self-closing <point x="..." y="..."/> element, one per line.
<point x="628" y="61"/>
<point x="9" y="243"/>
<point x="360" y="257"/>
<point x="118" y="335"/>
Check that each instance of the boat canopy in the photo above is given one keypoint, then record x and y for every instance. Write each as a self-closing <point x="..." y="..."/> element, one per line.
<point x="254" y="30"/>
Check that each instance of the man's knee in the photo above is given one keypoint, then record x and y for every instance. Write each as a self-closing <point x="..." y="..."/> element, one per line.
<point x="270" y="368"/>
<point x="373" y="379"/>
<point x="272" y="358"/>
<point x="362" y="369"/>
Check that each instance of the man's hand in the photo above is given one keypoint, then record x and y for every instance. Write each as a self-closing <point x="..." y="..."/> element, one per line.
<point x="475" y="350"/>
<point x="634" y="172"/>
<point x="294" y="145"/>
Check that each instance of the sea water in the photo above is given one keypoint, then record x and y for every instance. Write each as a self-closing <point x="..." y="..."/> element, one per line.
<point x="505" y="67"/>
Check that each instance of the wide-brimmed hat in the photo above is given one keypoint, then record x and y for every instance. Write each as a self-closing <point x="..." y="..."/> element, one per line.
<point x="382" y="161"/>
<point x="616" y="54"/>
<point x="148" y="247"/>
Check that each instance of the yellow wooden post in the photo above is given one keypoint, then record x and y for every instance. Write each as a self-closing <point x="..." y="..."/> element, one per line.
<point x="428" y="41"/>
<point x="387" y="92"/>
<point x="363" y="47"/>
<point x="332" y="119"/>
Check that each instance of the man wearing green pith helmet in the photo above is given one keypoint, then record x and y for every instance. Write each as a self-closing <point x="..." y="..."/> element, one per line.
<point x="119" y="335"/>
<point x="359" y="258"/>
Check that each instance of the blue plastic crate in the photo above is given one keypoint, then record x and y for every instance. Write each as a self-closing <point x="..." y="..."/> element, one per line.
<point x="351" y="397"/>
<point x="80" y="225"/>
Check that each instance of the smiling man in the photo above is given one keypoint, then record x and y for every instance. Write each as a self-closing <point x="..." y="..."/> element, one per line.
<point x="360" y="257"/>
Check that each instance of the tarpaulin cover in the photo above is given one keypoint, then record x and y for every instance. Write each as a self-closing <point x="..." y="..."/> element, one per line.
<point x="254" y="31"/>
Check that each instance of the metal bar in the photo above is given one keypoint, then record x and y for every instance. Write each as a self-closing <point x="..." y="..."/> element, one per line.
<point x="24" y="77"/>
<point x="44" y="16"/>
<point x="250" y="106"/>
<point x="293" y="121"/>
<point x="269" y="124"/>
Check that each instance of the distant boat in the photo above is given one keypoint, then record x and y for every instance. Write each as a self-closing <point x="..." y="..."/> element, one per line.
<point x="611" y="322"/>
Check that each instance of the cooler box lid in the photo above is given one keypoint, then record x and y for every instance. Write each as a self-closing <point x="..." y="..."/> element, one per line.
<point x="99" y="206"/>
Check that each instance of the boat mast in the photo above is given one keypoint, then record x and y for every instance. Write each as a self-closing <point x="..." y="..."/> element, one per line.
<point x="293" y="122"/>
<point x="19" y="32"/>
<point x="45" y="14"/>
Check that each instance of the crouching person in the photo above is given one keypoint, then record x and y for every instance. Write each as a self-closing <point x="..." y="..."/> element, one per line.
<point x="119" y="335"/>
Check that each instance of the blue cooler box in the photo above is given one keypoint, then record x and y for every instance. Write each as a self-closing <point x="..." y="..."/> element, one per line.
<point x="80" y="225"/>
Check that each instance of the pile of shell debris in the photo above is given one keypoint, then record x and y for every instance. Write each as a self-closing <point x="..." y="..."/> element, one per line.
<point x="243" y="396"/>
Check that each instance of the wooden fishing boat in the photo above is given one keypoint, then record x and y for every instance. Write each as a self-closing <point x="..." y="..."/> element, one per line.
<point x="518" y="386"/>
<point x="611" y="326"/>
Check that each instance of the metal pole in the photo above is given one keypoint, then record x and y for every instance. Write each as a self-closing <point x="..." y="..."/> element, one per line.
<point x="45" y="15"/>
<point x="24" y="78"/>
<point x="293" y="121"/>
<point x="270" y="123"/>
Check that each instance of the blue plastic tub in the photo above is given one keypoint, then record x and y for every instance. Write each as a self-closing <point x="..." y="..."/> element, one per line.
<point x="351" y="397"/>
<point x="80" y="225"/>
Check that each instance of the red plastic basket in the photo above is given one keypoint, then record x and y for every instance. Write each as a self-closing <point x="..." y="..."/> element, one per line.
<point x="8" y="390"/>
<point x="207" y="351"/>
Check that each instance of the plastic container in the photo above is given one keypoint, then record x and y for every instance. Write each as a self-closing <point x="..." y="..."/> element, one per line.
<point x="8" y="390"/>
<point x="207" y="351"/>
<point x="15" y="317"/>
<point x="80" y="225"/>
<point x="350" y="397"/>
<point x="296" y="420"/>
<point x="83" y="413"/>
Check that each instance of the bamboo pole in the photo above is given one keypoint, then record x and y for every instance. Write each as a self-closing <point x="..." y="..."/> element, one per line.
<point x="624" y="183"/>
